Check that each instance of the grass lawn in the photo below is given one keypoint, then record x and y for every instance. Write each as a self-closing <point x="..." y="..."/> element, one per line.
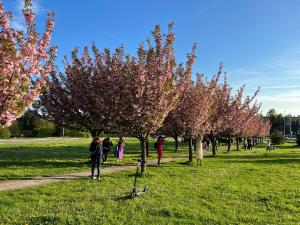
<point x="25" y="160"/>
<point x="247" y="187"/>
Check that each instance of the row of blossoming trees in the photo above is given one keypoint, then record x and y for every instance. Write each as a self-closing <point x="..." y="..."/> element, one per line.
<point x="140" y="95"/>
<point x="121" y="93"/>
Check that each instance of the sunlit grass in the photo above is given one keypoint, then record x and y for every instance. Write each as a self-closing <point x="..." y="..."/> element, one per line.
<point x="246" y="187"/>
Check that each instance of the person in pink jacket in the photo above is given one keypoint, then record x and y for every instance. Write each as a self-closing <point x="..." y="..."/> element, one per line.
<point x="159" y="148"/>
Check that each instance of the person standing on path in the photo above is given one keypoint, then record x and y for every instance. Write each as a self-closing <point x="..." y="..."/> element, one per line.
<point x="159" y="148"/>
<point x="120" y="149"/>
<point x="106" y="143"/>
<point x="96" y="151"/>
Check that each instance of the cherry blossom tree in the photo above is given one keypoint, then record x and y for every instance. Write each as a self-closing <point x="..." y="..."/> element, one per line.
<point x="26" y="61"/>
<point x="150" y="88"/>
<point x="173" y="124"/>
<point x="171" y="127"/>
<point x="256" y="128"/>
<point x="84" y="96"/>
<point x="229" y="113"/>
<point x="220" y="110"/>
<point x="190" y="118"/>
<point x="235" y="118"/>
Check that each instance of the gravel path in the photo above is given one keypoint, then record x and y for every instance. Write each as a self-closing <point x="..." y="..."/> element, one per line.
<point x="36" y="181"/>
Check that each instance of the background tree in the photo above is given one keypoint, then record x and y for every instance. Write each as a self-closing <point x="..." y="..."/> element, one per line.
<point x="220" y="110"/>
<point x="276" y="120"/>
<point x="248" y="119"/>
<point x="26" y="61"/>
<point x="171" y="127"/>
<point x="277" y="137"/>
<point x="190" y="118"/>
<point x="173" y="124"/>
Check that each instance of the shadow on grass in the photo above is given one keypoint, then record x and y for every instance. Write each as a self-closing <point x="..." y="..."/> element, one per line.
<point x="43" y="164"/>
<point x="268" y="161"/>
<point x="284" y="147"/>
<point x="127" y="196"/>
<point x="267" y="155"/>
<point x="185" y="163"/>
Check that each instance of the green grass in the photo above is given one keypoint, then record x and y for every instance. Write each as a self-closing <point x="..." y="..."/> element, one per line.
<point x="247" y="187"/>
<point x="25" y="160"/>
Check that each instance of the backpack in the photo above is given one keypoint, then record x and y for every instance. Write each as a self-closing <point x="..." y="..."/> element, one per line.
<point x="155" y="145"/>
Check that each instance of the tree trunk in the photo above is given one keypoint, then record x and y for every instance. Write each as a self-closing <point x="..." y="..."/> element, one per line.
<point x="143" y="155"/>
<point x="199" y="149"/>
<point x="147" y="147"/>
<point x="238" y="144"/>
<point x="190" y="149"/>
<point x="229" y="144"/>
<point x="213" y="145"/>
<point x="176" y="142"/>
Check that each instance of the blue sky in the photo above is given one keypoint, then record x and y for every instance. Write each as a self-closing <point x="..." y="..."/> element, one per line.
<point x="258" y="40"/>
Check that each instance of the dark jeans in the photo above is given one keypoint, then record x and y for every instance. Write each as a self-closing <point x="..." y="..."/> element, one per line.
<point x="105" y="153"/>
<point x="96" y="162"/>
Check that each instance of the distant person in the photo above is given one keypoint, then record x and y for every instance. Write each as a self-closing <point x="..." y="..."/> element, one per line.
<point x="269" y="146"/>
<point x="245" y="144"/>
<point x="205" y="146"/>
<point x="120" y="149"/>
<point x="208" y="144"/>
<point x="96" y="151"/>
<point x="159" y="148"/>
<point x="249" y="143"/>
<point x="107" y="144"/>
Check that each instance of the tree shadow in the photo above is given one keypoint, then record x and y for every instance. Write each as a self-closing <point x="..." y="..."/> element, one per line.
<point x="43" y="164"/>
<point x="267" y="155"/>
<point x="284" y="147"/>
<point x="268" y="161"/>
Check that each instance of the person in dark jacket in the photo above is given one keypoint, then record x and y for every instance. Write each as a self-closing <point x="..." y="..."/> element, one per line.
<point x="106" y="143"/>
<point x="249" y="144"/>
<point x="96" y="151"/>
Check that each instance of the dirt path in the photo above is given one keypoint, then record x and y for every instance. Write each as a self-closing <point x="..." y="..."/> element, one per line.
<point x="36" y="181"/>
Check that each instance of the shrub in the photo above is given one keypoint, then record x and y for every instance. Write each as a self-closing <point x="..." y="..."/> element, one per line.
<point x="4" y="133"/>
<point x="43" y="128"/>
<point x="277" y="138"/>
<point x="44" y="132"/>
<point x="28" y="133"/>
<point x="15" y="130"/>
<point x="77" y="133"/>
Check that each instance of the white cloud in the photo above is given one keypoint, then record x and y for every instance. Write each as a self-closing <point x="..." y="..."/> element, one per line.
<point x="281" y="87"/>
<point x="288" y="96"/>
<point x="36" y="6"/>
<point x="279" y="79"/>
<point x="18" y="22"/>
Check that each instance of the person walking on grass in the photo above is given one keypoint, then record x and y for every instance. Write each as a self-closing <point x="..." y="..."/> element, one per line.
<point x="159" y="148"/>
<point x="120" y="149"/>
<point x="96" y="152"/>
<point x="106" y="143"/>
<point x="269" y="146"/>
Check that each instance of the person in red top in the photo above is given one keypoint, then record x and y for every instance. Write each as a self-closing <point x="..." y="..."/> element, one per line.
<point x="159" y="148"/>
